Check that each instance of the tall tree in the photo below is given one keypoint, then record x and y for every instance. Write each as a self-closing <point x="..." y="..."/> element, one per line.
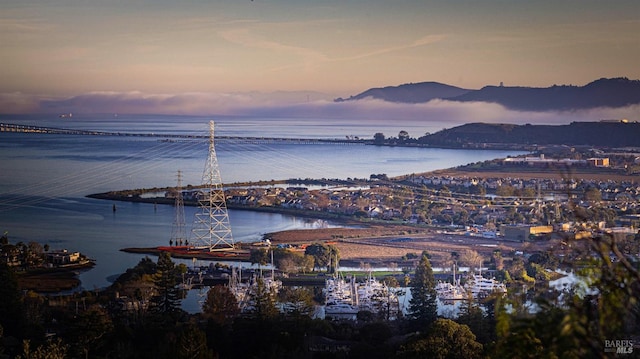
<point x="423" y="306"/>
<point x="446" y="339"/>
<point x="192" y="344"/>
<point x="221" y="306"/>
<point x="299" y="299"/>
<point x="323" y="255"/>
<point x="89" y="330"/>
<point x="259" y="256"/>
<point x="498" y="261"/>
<point x="11" y="306"/>
<point x="165" y="280"/>
<point x="263" y="300"/>
<point x="472" y="258"/>
<point x="472" y="315"/>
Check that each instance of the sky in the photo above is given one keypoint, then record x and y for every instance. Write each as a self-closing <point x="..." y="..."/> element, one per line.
<point x="239" y="56"/>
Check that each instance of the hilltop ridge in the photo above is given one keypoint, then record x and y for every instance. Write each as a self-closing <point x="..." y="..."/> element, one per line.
<point x="600" y="134"/>
<point x="604" y="92"/>
<point x="410" y="93"/>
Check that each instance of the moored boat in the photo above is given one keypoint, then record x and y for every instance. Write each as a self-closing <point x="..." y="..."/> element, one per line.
<point x="480" y="286"/>
<point x="451" y="291"/>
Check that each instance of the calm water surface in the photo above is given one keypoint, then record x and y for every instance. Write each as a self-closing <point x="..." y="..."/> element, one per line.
<point x="44" y="178"/>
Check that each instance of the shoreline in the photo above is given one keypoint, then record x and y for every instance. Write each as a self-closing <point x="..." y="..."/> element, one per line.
<point x="53" y="280"/>
<point x="369" y="241"/>
<point x="376" y="246"/>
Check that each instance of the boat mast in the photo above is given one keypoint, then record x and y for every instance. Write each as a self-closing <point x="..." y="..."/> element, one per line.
<point x="454" y="273"/>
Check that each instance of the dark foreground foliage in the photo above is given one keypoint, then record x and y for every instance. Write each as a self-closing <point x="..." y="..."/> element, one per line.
<point x="140" y="317"/>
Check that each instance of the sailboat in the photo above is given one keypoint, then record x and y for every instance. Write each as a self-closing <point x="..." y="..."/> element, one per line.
<point x="340" y="297"/>
<point x="480" y="286"/>
<point x="451" y="291"/>
<point x="377" y="297"/>
<point x="245" y="291"/>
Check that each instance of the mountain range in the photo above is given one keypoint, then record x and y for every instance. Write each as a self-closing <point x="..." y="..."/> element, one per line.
<point x="611" y="92"/>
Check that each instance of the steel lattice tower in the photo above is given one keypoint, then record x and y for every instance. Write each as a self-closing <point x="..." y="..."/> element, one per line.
<point x="178" y="233"/>
<point x="212" y="229"/>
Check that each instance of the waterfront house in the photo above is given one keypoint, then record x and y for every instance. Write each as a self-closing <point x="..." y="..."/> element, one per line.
<point x="62" y="257"/>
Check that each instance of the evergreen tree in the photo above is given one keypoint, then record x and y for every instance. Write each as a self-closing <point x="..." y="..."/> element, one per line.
<point x="446" y="339"/>
<point x="221" y="306"/>
<point x="89" y="330"/>
<point x="471" y="315"/>
<point x="423" y="307"/>
<point x="263" y="300"/>
<point x="167" y="298"/>
<point x="11" y="306"/>
<point x="300" y="299"/>
<point x="192" y="344"/>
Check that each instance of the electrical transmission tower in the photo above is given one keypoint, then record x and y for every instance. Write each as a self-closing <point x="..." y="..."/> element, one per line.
<point x="212" y="229"/>
<point x="178" y="233"/>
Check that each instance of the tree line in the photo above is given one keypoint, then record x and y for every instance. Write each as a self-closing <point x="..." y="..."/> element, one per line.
<point x="584" y="321"/>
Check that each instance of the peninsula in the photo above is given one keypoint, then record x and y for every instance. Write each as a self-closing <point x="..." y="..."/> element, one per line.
<point x="610" y="134"/>
<point x="441" y="211"/>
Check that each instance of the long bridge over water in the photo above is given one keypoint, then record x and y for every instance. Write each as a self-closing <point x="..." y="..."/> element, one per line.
<point x="8" y="127"/>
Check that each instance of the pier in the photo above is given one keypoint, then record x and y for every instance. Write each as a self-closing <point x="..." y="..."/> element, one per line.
<point x="15" y="128"/>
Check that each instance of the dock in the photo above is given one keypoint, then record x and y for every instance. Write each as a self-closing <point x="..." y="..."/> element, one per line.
<point x="188" y="252"/>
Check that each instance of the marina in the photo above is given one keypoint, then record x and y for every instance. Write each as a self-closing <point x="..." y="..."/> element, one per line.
<point x="346" y="297"/>
<point x="448" y="291"/>
<point x="481" y="287"/>
<point x="476" y="286"/>
<point x="359" y="150"/>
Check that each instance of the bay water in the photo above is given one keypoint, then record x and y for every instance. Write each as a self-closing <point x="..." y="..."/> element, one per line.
<point x="45" y="178"/>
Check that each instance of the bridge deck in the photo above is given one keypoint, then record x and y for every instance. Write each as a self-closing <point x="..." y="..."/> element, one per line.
<point x="7" y="127"/>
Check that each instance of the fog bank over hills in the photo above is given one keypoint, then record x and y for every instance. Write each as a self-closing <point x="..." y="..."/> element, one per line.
<point x="613" y="93"/>
<point x="422" y="107"/>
